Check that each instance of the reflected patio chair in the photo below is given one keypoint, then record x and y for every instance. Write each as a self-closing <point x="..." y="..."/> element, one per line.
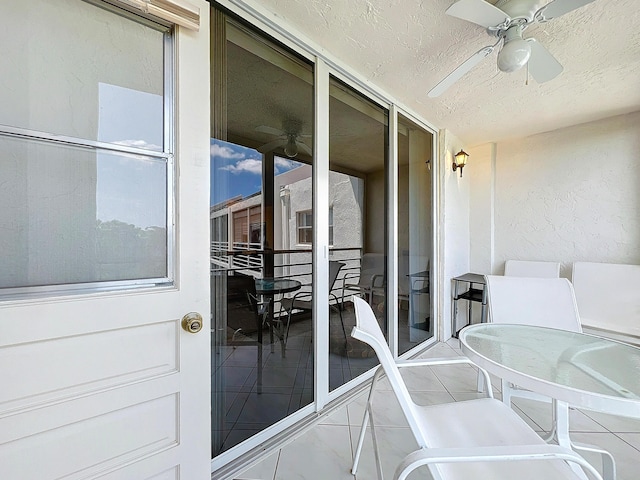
<point x="245" y="317"/>
<point x="370" y="280"/>
<point x="480" y="438"/>
<point x="303" y="300"/>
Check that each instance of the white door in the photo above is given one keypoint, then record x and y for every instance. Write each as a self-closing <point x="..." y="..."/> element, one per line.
<point x="107" y="384"/>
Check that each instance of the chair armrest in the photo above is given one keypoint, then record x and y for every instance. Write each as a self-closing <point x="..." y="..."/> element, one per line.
<point x="433" y="362"/>
<point x="502" y="453"/>
<point x="430" y="362"/>
<point x="348" y="276"/>
<point x="300" y="295"/>
<point x="375" y="278"/>
<point x="423" y="285"/>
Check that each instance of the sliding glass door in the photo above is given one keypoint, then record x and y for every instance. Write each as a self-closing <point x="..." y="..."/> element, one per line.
<point x="261" y="218"/>
<point x="294" y="141"/>
<point x="358" y="161"/>
<point x="414" y="238"/>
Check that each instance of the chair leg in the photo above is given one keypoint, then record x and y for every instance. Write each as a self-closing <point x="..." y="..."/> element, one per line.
<point x="337" y="307"/>
<point x="368" y="418"/>
<point x="480" y="383"/>
<point x="363" y="430"/>
<point x="608" y="462"/>
<point x="376" y="452"/>
<point x="506" y="393"/>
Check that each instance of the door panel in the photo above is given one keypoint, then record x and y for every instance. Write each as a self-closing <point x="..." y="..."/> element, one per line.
<point x="108" y="385"/>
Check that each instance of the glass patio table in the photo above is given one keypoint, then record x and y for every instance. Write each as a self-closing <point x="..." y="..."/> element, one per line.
<point x="275" y="286"/>
<point x="269" y="288"/>
<point x="577" y="369"/>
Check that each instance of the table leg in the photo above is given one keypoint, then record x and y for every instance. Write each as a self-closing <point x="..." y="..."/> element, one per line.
<point x="560" y="432"/>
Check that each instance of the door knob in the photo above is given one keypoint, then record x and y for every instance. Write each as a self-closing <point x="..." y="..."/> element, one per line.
<point x="192" y="322"/>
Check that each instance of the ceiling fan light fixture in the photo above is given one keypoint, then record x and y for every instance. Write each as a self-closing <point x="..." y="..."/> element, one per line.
<point x="514" y="55"/>
<point x="291" y="147"/>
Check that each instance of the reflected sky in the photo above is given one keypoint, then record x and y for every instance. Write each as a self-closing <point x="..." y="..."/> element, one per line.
<point x="237" y="170"/>
<point x="131" y="188"/>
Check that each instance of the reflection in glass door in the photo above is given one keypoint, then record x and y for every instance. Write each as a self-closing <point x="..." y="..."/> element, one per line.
<point x="261" y="229"/>
<point x="358" y="153"/>
<point x="414" y="235"/>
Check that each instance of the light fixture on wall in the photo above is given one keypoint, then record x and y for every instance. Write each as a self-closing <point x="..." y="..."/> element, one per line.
<point x="460" y="160"/>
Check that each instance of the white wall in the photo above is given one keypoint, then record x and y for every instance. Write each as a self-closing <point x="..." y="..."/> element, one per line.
<point x="568" y="195"/>
<point x="454" y="226"/>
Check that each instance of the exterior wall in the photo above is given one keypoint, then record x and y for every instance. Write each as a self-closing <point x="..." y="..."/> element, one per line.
<point x="568" y="195"/>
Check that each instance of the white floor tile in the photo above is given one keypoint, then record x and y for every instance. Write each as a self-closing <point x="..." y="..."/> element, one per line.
<point x="265" y="470"/>
<point x="322" y="453"/>
<point x="337" y="417"/>
<point x="393" y="445"/>
<point x="632" y="439"/>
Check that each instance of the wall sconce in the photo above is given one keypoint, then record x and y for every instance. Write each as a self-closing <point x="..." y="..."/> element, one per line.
<point x="460" y="160"/>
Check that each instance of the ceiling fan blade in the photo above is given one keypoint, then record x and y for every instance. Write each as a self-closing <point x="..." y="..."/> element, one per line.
<point x="557" y="8"/>
<point x="268" y="147"/>
<point x="543" y="66"/>
<point x="478" y="11"/>
<point x="269" y="130"/>
<point x="305" y="148"/>
<point x="459" y="72"/>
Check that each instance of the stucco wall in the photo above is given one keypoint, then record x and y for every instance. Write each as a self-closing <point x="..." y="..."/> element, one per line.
<point x="568" y="195"/>
<point x="454" y="226"/>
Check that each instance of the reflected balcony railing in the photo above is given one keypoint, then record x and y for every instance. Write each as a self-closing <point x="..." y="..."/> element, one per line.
<point x="250" y="259"/>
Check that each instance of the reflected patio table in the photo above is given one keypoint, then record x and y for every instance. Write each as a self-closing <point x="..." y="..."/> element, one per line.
<point x="276" y="286"/>
<point x="270" y="287"/>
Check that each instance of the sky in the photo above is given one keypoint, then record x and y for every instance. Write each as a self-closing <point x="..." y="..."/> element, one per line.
<point x="237" y="170"/>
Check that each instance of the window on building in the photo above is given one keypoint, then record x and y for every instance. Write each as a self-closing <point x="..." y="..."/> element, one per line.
<point x="305" y="227"/>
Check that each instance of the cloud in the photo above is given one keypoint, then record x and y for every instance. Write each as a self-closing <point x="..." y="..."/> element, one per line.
<point x="248" y="165"/>
<point x="224" y="152"/>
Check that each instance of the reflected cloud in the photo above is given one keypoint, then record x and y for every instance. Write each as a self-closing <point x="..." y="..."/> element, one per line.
<point x="223" y="151"/>
<point x="139" y="144"/>
<point x="283" y="165"/>
<point x="248" y="165"/>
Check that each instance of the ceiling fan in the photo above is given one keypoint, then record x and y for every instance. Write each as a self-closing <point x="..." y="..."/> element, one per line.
<point x="507" y="20"/>
<point x="289" y="138"/>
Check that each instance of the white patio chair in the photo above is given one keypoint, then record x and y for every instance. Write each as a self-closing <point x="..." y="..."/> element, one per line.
<point x="545" y="302"/>
<point x="481" y="438"/>
<point x="527" y="268"/>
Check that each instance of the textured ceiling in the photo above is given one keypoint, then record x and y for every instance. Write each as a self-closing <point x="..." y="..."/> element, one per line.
<point x="407" y="46"/>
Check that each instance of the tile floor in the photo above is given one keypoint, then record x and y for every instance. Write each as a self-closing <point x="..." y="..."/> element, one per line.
<point x="324" y="452"/>
<point x="250" y="403"/>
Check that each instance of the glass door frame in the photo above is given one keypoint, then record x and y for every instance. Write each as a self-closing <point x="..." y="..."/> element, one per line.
<point x="324" y="67"/>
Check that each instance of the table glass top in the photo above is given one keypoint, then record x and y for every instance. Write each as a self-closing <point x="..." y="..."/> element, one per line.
<point x="574" y="360"/>
<point x="264" y="285"/>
